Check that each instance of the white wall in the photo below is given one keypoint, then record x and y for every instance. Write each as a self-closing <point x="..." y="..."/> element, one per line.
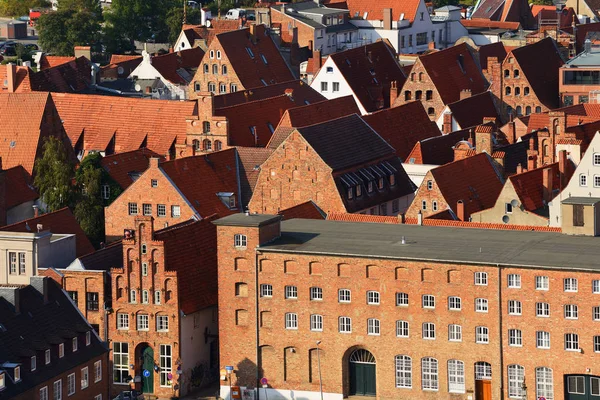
<point x="417" y="172"/>
<point x="275" y="394"/>
<point x="145" y="70"/>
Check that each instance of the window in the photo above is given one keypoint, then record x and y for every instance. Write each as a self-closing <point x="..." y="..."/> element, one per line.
<point x="33" y="363"/>
<point x="434" y="205"/>
<point x="175" y="211"/>
<point x="222" y="88"/>
<point x="373" y="326"/>
<point x="323" y="86"/>
<point x="582" y="180"/>
<point x="421" y="38"/>
<point x="142" y="322"/>
<point x="402" y="299"/>
<point x="344" y="296"/>
<point x="596" y="159"/>
<point x="428" y="301"/>
<point x="514" y="281"/>
<point x="481" y="278"/>
<point x="454" y="333"/>
<point x="43" y="391"/>
<point x="423" y="204"/>
<point x="542" y="340"/>
<point x="74" y="344"/>
<point x="85" y="378"/>
<point x="157" y="297"/>
<point x="291" y="292"/>
<point x="571" y="342"/>
<point x="516" y="375"/>
<point x="162" y="323"/>
<point x="98" y="371"/>
<point x="596" y="313"/>
<point x="61" y="350"/>
<point x="596" y="286"/>
<point x="456" y="376"/>
<point x="120" y="362"/>
<point x="105" y="192"/>
<point x="514" y="307"/>
<point x="596" y="344"/>
<point x="570" y="284"/>
<point x="145" y="297"/>
<point x="215" y="69"/>
<point x="403" y="372"/>
<point x="596" y="181"/>
<point x="291" y="321"/>
<point x="132" y="296"/>
<point x="429" y="185"/>
<point x="429" y="374"/>
<point x="240" y="240"/>
<point x="594" y="386"/>
<point x="212" y="87"/>
<point x="57" y="390"/>
<point x="47" y="357"/>
<point x="329" y="70"/>
<point x="88" y="338"/>
<point x="429" y="330"/>
<point x="144" y="269"/>
<point x="336" y="86"/>
<point x="70" y="384"/>
<point x="73" y="295"/>
<point x="212" y="54"/>
<point x="165" y="365"/>
<point x="316" y="293"/>
<point x="12" y="259"/>
<point x="316" y="322"/>
<point x="508" y="208"/>
<point x="482" y="335"/>
<point x="542" y="283"/>
<point x="133" y="209"/>
<point x="575" y="385"/>
<point x="454" y="303"/>
<point x="266" y="290"/>
<point x="515" y="337"/>
<point x="161" y="210"/>
<point x="233" y="88"/>
<point x="345" y="324"/>
<point x="402" y="329"/>
<point x="205" y="68"/>
<point x="372" y="297"/>
<point x="218" y="54"/>
<point x="571" y="311"/>
<point x="17" y="374"/>
<point x="542" y="310"/>
<point x="481" y="305"/>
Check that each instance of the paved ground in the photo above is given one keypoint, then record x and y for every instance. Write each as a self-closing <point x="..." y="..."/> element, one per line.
<point x="208" y="393"/>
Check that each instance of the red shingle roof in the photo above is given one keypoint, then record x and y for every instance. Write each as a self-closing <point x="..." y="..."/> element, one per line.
<point x="529" y="186"/>
<point x="18" y="188"/>
<point x="486" y="23"/>
<point x="133" y="122"/>
<point x="374" y="10"/>
<point x="474" y="180"/>
<point x="127" y="63"/>
<point x="549" y="13"/>
<point x="251" y="159"/>
<point x="52" y="61"/>
<point x="22" y="79"/>
<point x="120" y="166"/>
<point x="376" y="219"/>
<point x="452" y="70"/>
<point x="308" y="210"/>
<point x="316" y="113"/>
<point x="72" y="77"/>
<point x="301" y="93"/>
<point x="369" y="70"/>
<point x="437" y="150"/>
<point x="262" y="63"/>
<point x="62" y="222"/>
<point x="169" y="64"/>
<point x="402" y="127"/>
<point x="491" y="50"/>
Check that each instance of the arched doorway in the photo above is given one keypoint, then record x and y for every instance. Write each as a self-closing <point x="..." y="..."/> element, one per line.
<point x="483" y="381"/>
<point x="145" y="357"/>
<point x="362" y="373"/>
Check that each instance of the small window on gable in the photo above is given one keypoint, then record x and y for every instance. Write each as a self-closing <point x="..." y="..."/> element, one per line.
<point x="154" y="183"/>
<point x="212" y="54"/>
<point x="429" y="185"/>
<point x="218" y="54"/>
<point x="596" y="159"/>
<point x="330" y="70"/>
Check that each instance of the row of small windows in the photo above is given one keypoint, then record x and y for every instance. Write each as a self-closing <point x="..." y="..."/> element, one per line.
<point x="207" y="145"/>
<point x="143" y="322"/>
<point x="517" y="91"/>
<point x="212" y="87"/>
<point x="161" y="210"/>
<point x="356" y="191"/>
<point x="583" y="180"/>
<point x="215" y="69"/>
<point x="418" y="95"/>
<point x="145" y="293"/>
<point x="335" y="86"/>
<point x="519" y="109"/>
<point x="57" y="387"/>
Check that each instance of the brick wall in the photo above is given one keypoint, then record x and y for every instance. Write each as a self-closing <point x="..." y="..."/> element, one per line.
<point x="424" y="194"/>
<point x="306" y="34"/>
<point x="205" y="132"/>
<point x="417" y="86"/>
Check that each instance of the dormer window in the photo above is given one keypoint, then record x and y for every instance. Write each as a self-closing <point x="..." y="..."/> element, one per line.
<point x="205" y="68"/>
<point x="358" y="190"/>
<point x="264" y="59"/>
<point x="88" y="338"/>
<point x="33" y="363"/>
<point x="350" y="194"/>
<point x="250" y="53"/>
<point x="392" y="180"/>
<point x="240" y="240"/>
<point x="61" y="350"/>
<point x="228" y="198"/>
<point x="47" y="357"/>
<point x="380" y="184"/>
<point x="75" y="344"/>
<point x="2" y="381"/>
<point x="17" y="374"/>
<point x="370" y="186"/>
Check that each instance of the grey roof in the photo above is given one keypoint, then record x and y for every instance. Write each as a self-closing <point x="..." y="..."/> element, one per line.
<point x="437" y="244"/>
<point x="587" y="201"/>
<point x="345" y="142"/>
<point x="346" y="26"/>
<point x="448" y="8"/>
<point x="252" y="220"/>
<point x="585" y="59"/>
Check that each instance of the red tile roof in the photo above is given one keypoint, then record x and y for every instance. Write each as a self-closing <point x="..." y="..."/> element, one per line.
<point x="374" y="10"/>
<point x="169" y="65"/>
<point x="518" y="11"/>
<point x="265" y="64"/>
<point x="316" y="113"/>
<point x="308" y="210"/>
<point x="126" y="63"/>
<point x="208" y="33"/>
<point x="47" y="61"/>
<point x="452" y="70"/>
<point x="402" y="127"/>
<point x="251" y="159"/>
<point x="376" y="219"/>
<point x="301" y="92"/>
<point x="120" y="166"/>
<point x="71" y="77"/>
<point x="62" y="222"/>
<point x="119" y="58"/>
<point x="549" y="13"/>
<point x="437" y="150"/>
<point x="472" y="110"/>
<point x="22" y="81"/>
<point x="486" y="23"/>
<point x="134" y="123"/>
<point x="491" y="50"/>
<point x="18" y="187"/>
<point x="474" y="180"/>
<point x="200" y="178"/>
<point x="260" y="115"/>
<point x="191" y="250"/>
<point x="530" y="189"/>
<point x="369" y="71"/>
<point x="582" y="30"/>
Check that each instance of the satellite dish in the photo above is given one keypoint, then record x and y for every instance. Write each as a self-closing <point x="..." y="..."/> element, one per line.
<point x="514" y="203"/>
<point x="208" y="23"/>
<point x="120" y="70"/>
<point x="505" y="219"/>
<point x="138" y="88"/>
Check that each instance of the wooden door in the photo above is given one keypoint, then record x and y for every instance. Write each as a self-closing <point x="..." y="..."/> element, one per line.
<point x="362" y="379"/>
<point x="483" y="390"/>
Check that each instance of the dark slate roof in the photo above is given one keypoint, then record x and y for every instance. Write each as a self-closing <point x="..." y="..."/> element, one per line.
<point x="472" y="110"/>
<point x="39" y="327"/>
<point x="103" y="259"/>
<point x="345" y="142"/>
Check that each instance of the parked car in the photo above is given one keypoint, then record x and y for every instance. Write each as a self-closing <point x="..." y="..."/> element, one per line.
<point x="235" y="13"/>
<point x="7" y="43"/>
<point x="32" y="47"/>
<point x="9" y="50"/>
<point x="129" y="395"/>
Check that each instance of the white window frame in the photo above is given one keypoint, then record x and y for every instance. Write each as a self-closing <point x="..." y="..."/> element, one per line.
<point x="428" y="331"/>
<point x="456" y="376"/>
<point x="571" y="311"/>
<point x="142" y="322"/>
<point x="571" y="342"/>
<point x="85" y="378"/>
<point x="373" y="297"/>
<point x="57" y="390"/>
<point x="542" y="340"/>
<point x="583" y="180"/>
<point x="291" y="321"/>
<point x="345" y="325"/>
<point x="596" y="286"/>
<point x="596" y="344"/>
<point x="157" y="297"/>
<point x="570" y="285"/>
<point x="454" y="333"/>
<point x="43" y="392"/>
<point x="542" y="283"/>
<point x="516" y="376"/>
<point x="515" y="338"/>
<point x="481" y="305"/>
<point x="403" y="372"/>
<point x="175" y="211"/>
<point x="592" y="380"/>
<point x="165" y="364"/>
<point x="481" y="278"/>
<point x="123" y="366"/>
<point x="482" y="335"/>
<point x="316" y="323"/>
<point x="122" y="321"/>
<point x="97" y="371"/>
<point x="401" y="299"/>
<point x="162" y="323"/>
<point x="61" y="350"/>
<point x="514" y="281"/>
<point x="576" y="389"/>
<point x="373" y="327"/>
<point x="454" y="303"/>
<point x="316" y="293"/>
<point x="344" y="295"/>
<point x="291" y="292"/>
<point x="428" y="301"/>
<point x="596" y="313"/>
<point x="596" y="159"/>
<point x="515" y="307"/>
<point x="429" y="374"/>
<point x="71" y="385"/>
<point x="33" y="363"/>
<point x="47" y="357"/>
<point x="75" y="344"/>
<point x="240" y="241"/>
<point x="402" y="329"/>
<point x="266" y="290"/>
<point x="542" y="310"/>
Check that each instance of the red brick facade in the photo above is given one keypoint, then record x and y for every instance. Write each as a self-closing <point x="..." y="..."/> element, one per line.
<point x="306" y="33"/>
<point x="419" y="87"/>
<point x="205" y="132"/>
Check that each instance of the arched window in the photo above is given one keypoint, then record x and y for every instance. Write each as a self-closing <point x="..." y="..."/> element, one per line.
<point x="507" y="91"/>
<point x="420" y="76"/>
<point x="516" y="73"/>
<point x="516" y="375"/>
<point x="431" y="111"/>
<point x="407" y="95"/>
<point x="132" y="296"/>
<point x="538" y="109"/>
<point x="168" y="290"/>
<point x="526" y="91"/>
<point x="418" y="95"/>
<point x="212" y="54"/>
<point x="456" y="376"/>
<point x="196" y="144"/>
<point x="517" y="91"/>
<point x="412" y="76"/>
<point x="483" y="371"/>
<point x="120" y="287"/>
<point x="222" y="88"/>
<point x="218" y="54"/>
<point x="205" y="68"/>
<point x="506" y="73"/>
<point x="224" y="70"/>
<point x="212" y="87"/>
<point x="544" y="385"/>
<point x="218" y="145"/>
<point x="145" y="298"/>
<point x="215" y="69"/>
<point x="206" y="126"/>
<point x="207" y="145"/>
<point x="527" y="110"/>
<point x="429" y="95"/>
<point x="197" y="86"/>
<point x="403" y="372"/>
<point x="519" y="110"/>
<point x="429" y="374"/>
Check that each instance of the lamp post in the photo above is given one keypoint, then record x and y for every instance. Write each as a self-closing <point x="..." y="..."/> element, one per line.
<point x="319" y="367"/>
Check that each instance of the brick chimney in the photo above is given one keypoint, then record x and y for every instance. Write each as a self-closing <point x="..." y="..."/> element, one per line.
<point x="310" y="45"/>
<point x="511" y="133"/>
<point x="387" y="19"/>
<point x="431" y="46"/>
<point x="153" y="162"/>
<point x="447" y="123"/>
<point x="547" y="184"/>
<point x="461" y="214"/>
<point x="83" y="51"/>
<point x="11" y="77"/>
<point x="562" y="168"/>
<point x="494" y="76"/>
<point x="483" y="142"/>
<point x="465" y="94"/>
<point x="317" y="60"/>
<point x="531" y="155"/>
<point x="394" y="92"/>
<point x="519" y="168"/>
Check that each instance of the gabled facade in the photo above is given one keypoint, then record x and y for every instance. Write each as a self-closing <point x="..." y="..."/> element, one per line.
<point x="505" y="11"/>
<point x="469" y="111"/>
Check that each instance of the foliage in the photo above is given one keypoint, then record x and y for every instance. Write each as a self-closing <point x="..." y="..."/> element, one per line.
<point x="175" y="20"/>
<point x="92" y="6"/>
<point x="23" y="53"/>
<point x="64" y="29"/>
<point x="18" y="8"/>
<point x="54" y="175"/>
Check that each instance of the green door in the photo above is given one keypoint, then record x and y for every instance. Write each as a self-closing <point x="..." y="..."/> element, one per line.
<point x="148" y="365"/>
<point x="582" y="387"/>
<point x="362" y="374"/>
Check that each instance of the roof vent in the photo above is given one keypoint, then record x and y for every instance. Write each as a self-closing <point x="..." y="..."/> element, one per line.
<point x="587" y="46"/>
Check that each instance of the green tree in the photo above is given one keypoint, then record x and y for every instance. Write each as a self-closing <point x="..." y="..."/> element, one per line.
<point x="18" y="8"/>
<point x="62" y="30"/>
<point x="54" y="175"/>
<point x="92" y="6"/>
<point x="175" y="20"/>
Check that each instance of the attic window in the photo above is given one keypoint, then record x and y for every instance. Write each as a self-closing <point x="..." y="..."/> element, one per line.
<point x="154" y="183"/>
<point x="2" y="383"/>
<point x="348" y="62"/>
<point x="264" y="59"/>
<point x="17" y="374"/>
<point x="330" y="70"/>
<point x="13" y="144"/>
<point x="270" y="126"/>
<point x="250" y="53"/>
<point x="372" y="71"/>
<point x="212" y="54"/>
<point x="263" y="82"/>
<point x="218" y="54"/>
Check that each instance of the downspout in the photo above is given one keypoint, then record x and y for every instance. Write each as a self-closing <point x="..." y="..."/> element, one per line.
<point x="256" y="288"/>
<point x="500" y="323"/>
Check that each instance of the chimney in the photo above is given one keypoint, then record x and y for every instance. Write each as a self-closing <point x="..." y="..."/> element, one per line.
<point x="512" y="131"/>
<point x="447" y="124"/>
<point x="83" y="51"/>
<point x="40" y="283"/>
<point x="519" y="168"/>
<point x="11" y="294"/>
<point x="460" y="211"/>
<point x="153" y="162"/>
<point x="317" y="60"/>
<point x="394" y="92"/>
<point x="310" y="45"/>
<point x="171" y="50"/>
<point x="36" y="211"/>
<point x="562" y="167"/>
<point x="431" y="46"/>
<point x="253" y="33"/>
<point x="465" y="94"/>
<point x="547" y="184"/>
<point x="289" y="92"/>
<point x="11" y="77"/>
<point x="387" y="19"/>
<point x="531" y="162"/>
<point x="483" y="142"/>
<point x="420" y="218"/>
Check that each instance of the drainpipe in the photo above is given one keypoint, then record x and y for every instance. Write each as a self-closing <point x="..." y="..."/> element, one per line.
<point x="256" y="295"/>
<point x="501" y="330"/>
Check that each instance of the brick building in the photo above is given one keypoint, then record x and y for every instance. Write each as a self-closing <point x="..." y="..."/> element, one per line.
<point x="240" y="59"/>
<point x="453" y="313"/>
<point x="47" y="349"/>
<point x="330" y="164"/>
<point x="164" y="323"/>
